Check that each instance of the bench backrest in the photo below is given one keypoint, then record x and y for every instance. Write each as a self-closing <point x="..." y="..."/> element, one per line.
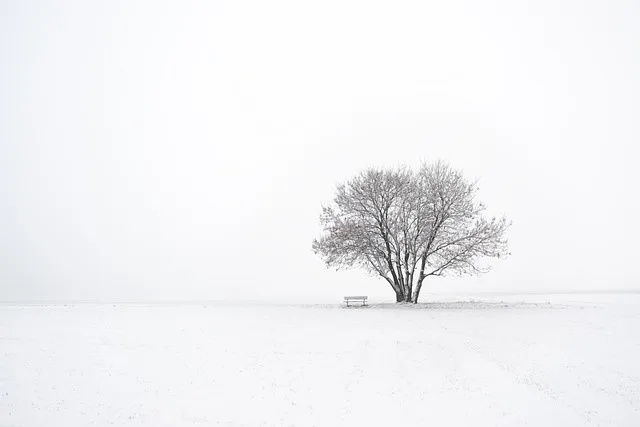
<point x="360" y="297"/>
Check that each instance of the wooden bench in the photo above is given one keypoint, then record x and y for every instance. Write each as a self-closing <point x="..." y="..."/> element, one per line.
<point x="361" y="299"/>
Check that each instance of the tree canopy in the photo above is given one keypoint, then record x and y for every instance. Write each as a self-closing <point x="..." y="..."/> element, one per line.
<point x="405" y="225"/>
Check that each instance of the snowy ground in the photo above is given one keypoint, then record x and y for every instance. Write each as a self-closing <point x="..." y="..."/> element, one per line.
<point x="540" y="360"/>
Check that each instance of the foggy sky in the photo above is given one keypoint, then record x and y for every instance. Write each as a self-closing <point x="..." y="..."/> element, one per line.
<point x="157" y="150"/>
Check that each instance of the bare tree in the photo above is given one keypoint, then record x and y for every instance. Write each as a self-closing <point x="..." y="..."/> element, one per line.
<point x="405" y="226"/>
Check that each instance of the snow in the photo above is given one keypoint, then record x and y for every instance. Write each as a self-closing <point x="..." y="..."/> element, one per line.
<point x="538" y="360"/>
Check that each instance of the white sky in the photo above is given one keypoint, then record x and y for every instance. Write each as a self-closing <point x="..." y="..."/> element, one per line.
<point x="182" y="149"/>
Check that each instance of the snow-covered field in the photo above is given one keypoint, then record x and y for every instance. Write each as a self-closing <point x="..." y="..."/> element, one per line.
<point x="540" y="360"/>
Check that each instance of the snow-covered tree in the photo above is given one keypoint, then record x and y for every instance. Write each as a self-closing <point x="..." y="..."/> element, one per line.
<point x="406" y="225"/>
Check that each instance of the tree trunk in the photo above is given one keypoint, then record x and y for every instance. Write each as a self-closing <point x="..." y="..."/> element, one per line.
<point x="399" y="297"/>
<point x="400" y="277"/>
<point x="416" y="292"/>
<point x="421" y="276"/>
<point x="408" y="286"/>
